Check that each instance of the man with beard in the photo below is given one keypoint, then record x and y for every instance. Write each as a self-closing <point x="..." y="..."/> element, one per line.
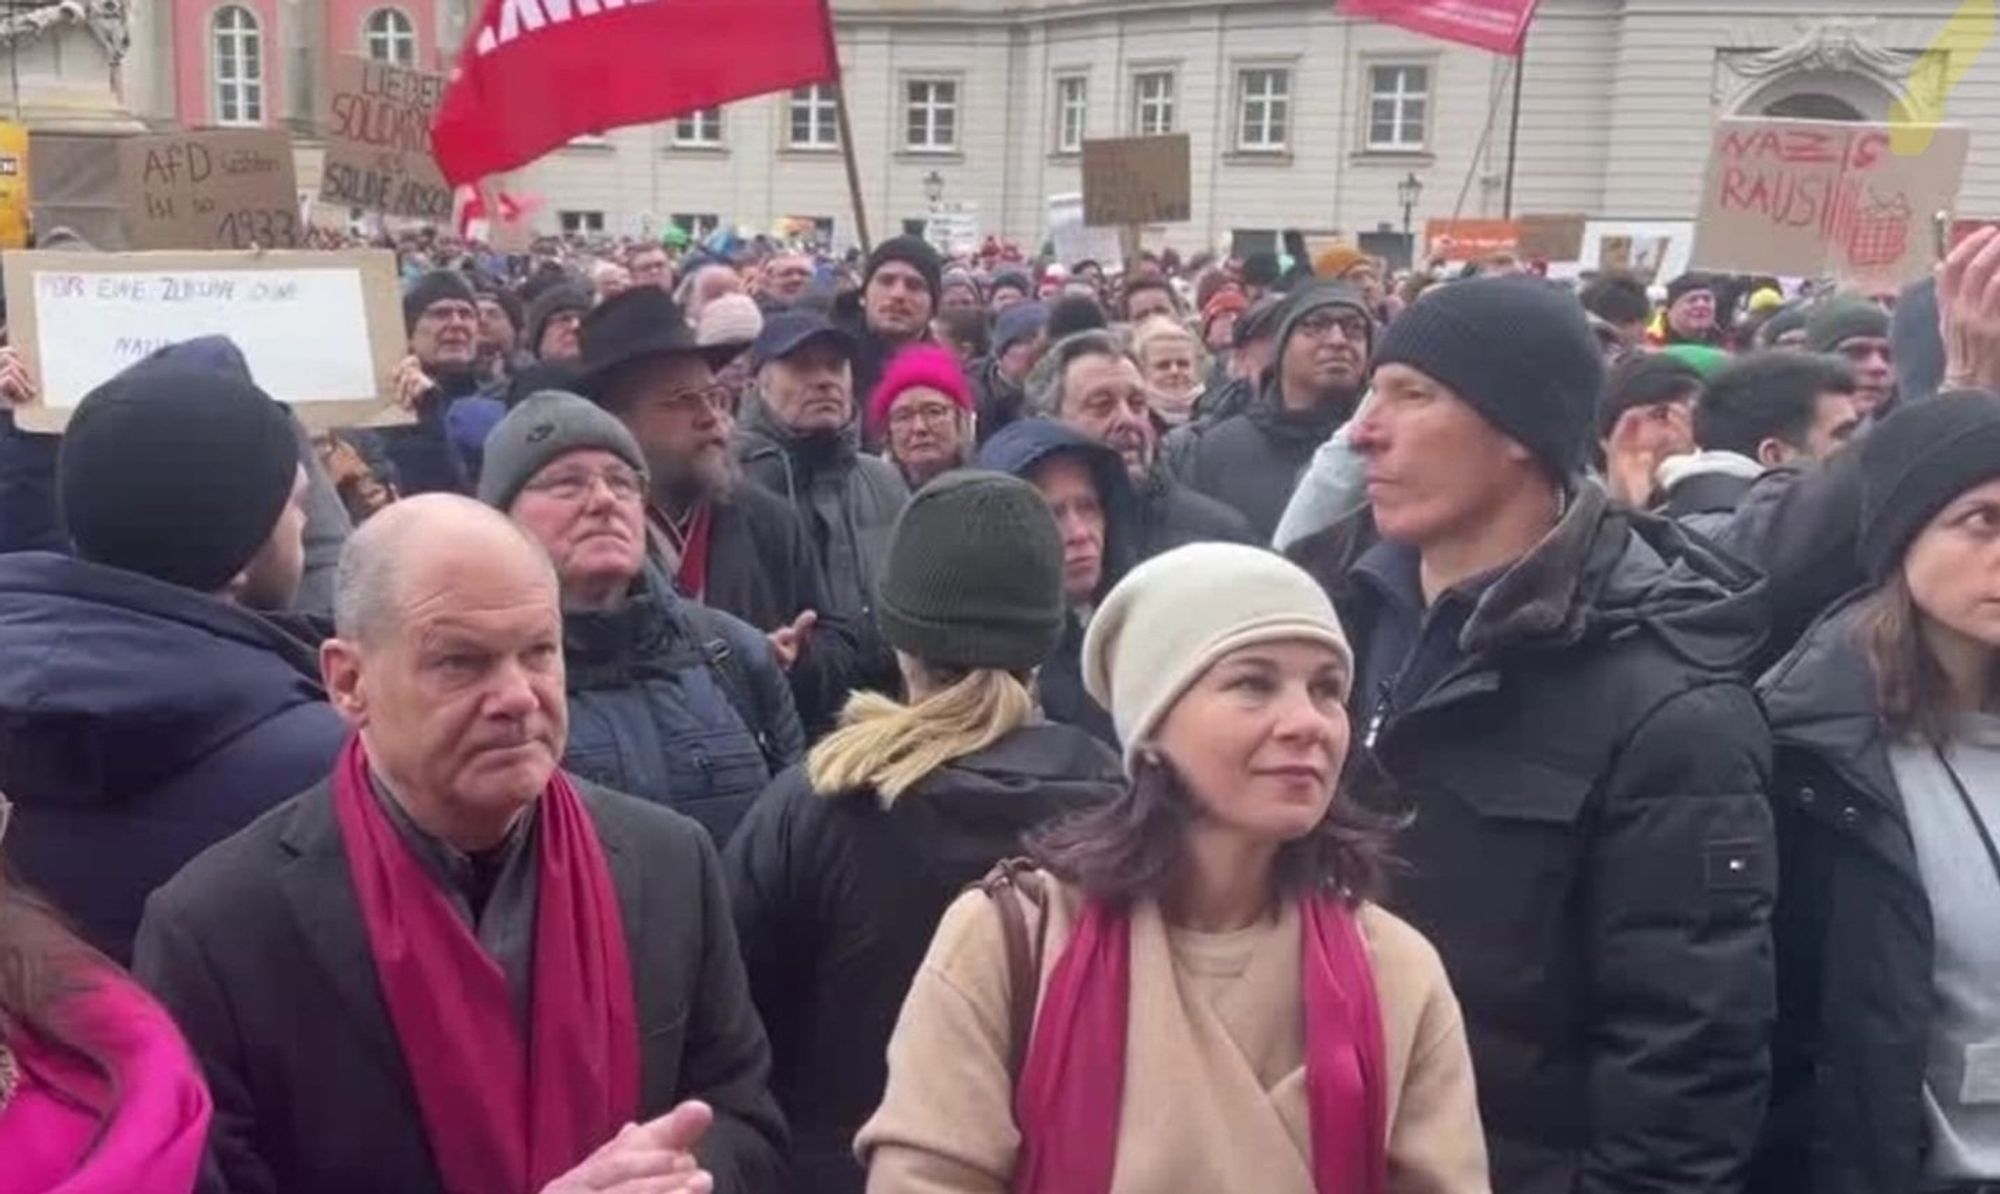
<point x="800" y="440"/>
<point x="900" y="290"/>
<point x="1252" y="461"/>
<point x="1091" y="384"/>
<point x="737" y="548"/>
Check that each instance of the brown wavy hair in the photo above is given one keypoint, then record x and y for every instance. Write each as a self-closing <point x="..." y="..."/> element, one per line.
<point x="1129" y="849"/>
<point x="1912" y="692"/>
<point x="42" y="964"/>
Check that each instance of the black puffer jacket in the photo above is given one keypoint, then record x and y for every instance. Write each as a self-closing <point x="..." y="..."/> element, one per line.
<point x="1253" y="461"/>
<point x="1854" y="936"/>
<point x="1591" y="850"/>
<point x="836" y="900"/>
<point x="1172" y="515"/>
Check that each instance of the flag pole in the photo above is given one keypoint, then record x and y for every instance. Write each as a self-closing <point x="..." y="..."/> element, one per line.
<point x="846" y="126"/>
<point x="1514" y="131"/>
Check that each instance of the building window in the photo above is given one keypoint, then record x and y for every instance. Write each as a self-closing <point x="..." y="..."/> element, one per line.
<point x="1072" y="113"/>
<point x="699" y="226"/>
<point x="1264" y="97"/>
<point x="930" y="115"/>
<point x="388" y="35"/>
<point x="701" y="129"/>
<point x="581" y="223"/>
<point x="239" y="67"/>
<point x="1153" y="103"/>
<point x="1398" y="106"/>
<point x="814" y="122"/>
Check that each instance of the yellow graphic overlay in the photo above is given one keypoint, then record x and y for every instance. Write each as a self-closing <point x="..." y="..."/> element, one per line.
<point x="1950" y="56"/>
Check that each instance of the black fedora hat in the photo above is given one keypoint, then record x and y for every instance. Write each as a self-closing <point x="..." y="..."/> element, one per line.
<point x="643" y="323"/>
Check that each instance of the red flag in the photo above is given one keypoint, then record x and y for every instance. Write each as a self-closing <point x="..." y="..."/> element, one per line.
<point x="535" y="74"/>
<point x="1497" y="25"/>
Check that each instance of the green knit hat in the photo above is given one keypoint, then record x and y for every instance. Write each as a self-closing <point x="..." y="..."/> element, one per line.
<point x="974" y="577"/>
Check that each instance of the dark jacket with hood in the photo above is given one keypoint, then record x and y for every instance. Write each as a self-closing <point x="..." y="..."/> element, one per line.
<point x="1855" y="937"/>
<point x="1590" y="848"/>
<point x="836" y="899"/>
<point x="679" y="705"/>
<point x="1172" y="515"/>
<point x="1000" y="403"/>
<point x="849" y="500"/>
<point x="426" y="456"/>
<point x="141" y="723"/>
<point x="1252" y="461"/>
<point x="1021" y="451"/>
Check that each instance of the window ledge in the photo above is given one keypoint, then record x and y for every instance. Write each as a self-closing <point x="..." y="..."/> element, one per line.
<point x="591" y="144"/>
<point x="697" y="151"/>
<point x="1257" y="157"/>
<point x="1067" y="157"/>
<point x="948" y="156"/>
<point x="1392" y="157"/>
<point x="809" y="152"/>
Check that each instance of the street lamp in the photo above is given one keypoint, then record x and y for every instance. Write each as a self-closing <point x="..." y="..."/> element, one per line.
<point x="934" y="188"/>
<point x="1408" y="192"/>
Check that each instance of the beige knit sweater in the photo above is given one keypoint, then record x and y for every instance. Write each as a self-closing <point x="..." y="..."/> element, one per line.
<point x="1215" y="1096"/>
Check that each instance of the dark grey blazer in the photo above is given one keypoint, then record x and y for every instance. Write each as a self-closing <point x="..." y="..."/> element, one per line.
<point x="258" y="949"/>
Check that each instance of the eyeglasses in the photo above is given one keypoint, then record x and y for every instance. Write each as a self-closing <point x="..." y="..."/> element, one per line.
<point x="451" y="312"/>
<point x="623" y="484"/>
<point x="1321" y="324"/>
<point x="930" y="414"/>
<point x="716" y="397"/>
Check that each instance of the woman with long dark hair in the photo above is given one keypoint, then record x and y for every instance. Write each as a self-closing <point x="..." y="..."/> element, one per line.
<point x="1886" y="721"/>
<point x="98" y="1092"/>
<point x="1192" y="992"/>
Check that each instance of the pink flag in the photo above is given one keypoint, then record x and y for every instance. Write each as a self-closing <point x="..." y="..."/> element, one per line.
<point x="1497" y="25"/>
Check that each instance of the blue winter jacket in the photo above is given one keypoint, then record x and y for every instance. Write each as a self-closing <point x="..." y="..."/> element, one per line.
<point x="141" y="723"/>
<point x="678" y="704"/>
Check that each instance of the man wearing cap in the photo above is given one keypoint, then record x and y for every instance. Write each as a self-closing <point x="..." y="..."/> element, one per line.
<point x="901" y="289"/>
<point x="1857" y="330"/>
<point x="1010" y="287"/>
<point x="1557" y="688"/>
<point x="1690" y="317"/>
<point x="799" y="439"/>
<point x="1000" y="380"/>
<point x="145" y="712"/>
<point x="732" y="546"/>
<point x="1251" y="462"/>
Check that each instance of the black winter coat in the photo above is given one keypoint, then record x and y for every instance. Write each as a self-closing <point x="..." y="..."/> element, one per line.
<point x="1252" y="462"/>
<point x="678" y="705"/>
<point x="1591" y="850"/>
<point x="836" y="900"/>
<point x="1854" y="936"/>
<point x="1172" y="515"/>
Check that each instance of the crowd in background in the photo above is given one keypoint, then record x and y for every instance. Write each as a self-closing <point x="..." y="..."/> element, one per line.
<point x="920" y="722"/>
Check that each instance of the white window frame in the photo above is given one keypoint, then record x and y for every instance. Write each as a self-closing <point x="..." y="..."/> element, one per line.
<point x="1155" y="115"/>
<point x="1266" y="112"/>
<point x="822" y="118"/>
<point x="699" y="226"/>
<point x="394" y="41"/>
<point x="581" y="223"/>
<point x="236" y="60"/>
<point x="931" y="112"/>
<point x="1070" y="135"/>
<point x="1401" y="98"/>
<point x="701" y="129"/>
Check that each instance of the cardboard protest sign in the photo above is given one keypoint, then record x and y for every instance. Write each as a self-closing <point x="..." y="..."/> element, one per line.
<point x="1650" y="249"/>
<point x="1470" y="240"/>
<point x="1551" y="238"/>
<point x="1136" y="180"/>
<point x="322" y="331"/>
<point x="1820" y="197"/>
<point x="221" y="189"/>
<point x="1076" y="241"/>
<point x="378" y="140"/>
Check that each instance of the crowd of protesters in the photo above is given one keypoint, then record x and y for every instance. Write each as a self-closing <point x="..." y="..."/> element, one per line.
<point x="925" y="724"/>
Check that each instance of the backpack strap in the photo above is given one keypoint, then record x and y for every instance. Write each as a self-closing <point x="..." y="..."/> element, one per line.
<point x="731" y="672"/>
<point x="1007" y="885"/>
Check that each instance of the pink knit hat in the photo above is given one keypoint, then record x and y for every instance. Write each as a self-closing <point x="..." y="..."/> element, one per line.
<point x="922" y="365"/>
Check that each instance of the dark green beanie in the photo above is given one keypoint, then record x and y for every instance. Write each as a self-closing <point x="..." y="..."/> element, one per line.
<point x="974" y="577"/>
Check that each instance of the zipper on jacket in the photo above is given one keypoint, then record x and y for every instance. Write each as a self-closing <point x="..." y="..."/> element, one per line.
<point x="1379" y="716"/>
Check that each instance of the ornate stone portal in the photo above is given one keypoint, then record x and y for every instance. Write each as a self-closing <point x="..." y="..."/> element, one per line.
<point x="1836" y="63"/>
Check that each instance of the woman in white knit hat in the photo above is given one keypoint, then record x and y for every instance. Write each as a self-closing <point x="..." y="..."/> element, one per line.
<point x="1192" y="992"/>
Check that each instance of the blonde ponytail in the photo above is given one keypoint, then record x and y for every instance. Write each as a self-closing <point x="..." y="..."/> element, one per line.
<point x="889" y="746"/>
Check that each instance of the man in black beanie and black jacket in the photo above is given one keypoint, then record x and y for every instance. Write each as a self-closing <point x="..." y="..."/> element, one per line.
<point x="900" y="288"/>
<point x="1556" y="686"/>
<point x="145" y="712"/>
<point x="441" y="315"/>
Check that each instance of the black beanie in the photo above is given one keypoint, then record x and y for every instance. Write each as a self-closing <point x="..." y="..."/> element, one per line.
<point x="1072" y="314"/>
<point x="974" y="577"/>
<point x="1687" y="284"/>
<point x="553" y="302"/>
<point x="914" y="252"/>
<point x="491" y="288"/>
<point x="434" y="287"/>
<point x="1915" y="462"/>
<point x="176" y="473"/>
<point x="1516" y="349"/>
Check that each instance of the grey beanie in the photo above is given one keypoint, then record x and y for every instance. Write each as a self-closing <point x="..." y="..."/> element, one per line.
<point x="1833" y="321"/>
<point x="974" y="577"/>
<point x="543" y="427"/>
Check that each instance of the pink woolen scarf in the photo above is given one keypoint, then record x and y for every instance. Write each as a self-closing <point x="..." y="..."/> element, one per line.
<point x="503" y="1112"/>
<point x="1072" y="1086"/>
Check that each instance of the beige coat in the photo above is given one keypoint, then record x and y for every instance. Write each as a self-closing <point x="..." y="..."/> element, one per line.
<point x="1215" y="1095"/>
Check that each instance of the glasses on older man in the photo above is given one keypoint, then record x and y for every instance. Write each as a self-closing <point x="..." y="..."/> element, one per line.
<point x="574" y="485"/>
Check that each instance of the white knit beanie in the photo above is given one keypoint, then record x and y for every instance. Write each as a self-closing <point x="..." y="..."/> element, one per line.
<point x="1175" y="615"/>
<point x="731" y="319"/>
